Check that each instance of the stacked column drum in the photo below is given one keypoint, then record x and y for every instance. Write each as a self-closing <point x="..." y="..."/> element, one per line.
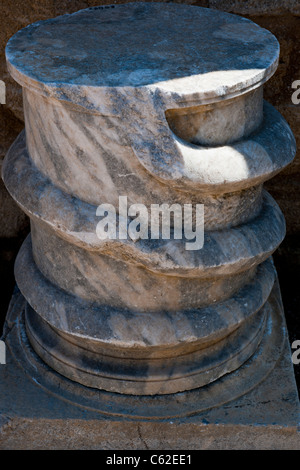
<point x="163" y="104"/>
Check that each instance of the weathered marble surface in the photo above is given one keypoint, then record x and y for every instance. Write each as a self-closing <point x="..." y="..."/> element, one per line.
<point x="142" y="45"/>
<point x="242" y="410"/>
<point x="187" y="405"/>
<point x="75" y="221"/>
<point x="161" y="115"/>
<point x="151" y="352"/>
<point x="99" y="166"/>
<point x="211" y="323"/>
<point x="73" y="217"/>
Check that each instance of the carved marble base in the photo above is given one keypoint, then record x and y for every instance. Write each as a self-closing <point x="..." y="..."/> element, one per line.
<point x="146" y="329"/>
<point x="255" y="407"/>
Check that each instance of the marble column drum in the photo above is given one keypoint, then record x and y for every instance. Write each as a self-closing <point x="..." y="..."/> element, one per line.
<point x="162" y="103"/>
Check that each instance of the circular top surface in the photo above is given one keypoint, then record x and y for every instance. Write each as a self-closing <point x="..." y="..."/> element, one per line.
<point x="182" y="48"/>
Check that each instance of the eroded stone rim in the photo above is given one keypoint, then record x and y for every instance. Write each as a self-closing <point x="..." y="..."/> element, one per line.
<point x="236" y="44"/>
<point x="145" y="376"/>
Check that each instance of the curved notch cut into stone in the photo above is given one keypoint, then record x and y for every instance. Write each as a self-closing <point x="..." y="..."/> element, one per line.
<point x="220" y="123"/>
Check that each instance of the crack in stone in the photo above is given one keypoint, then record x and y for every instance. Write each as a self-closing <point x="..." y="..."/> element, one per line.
<point x="141" y="438"/>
